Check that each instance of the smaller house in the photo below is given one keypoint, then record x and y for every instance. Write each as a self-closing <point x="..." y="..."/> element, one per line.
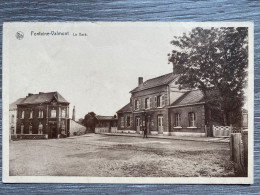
<point x="13" y="116"/>
<point x="106" y="124"/>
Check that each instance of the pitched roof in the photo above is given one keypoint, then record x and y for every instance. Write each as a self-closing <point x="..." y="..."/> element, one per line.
<point x="106" y="117"/>
<point x="126" y="108"/>
<point x="157" y="81"/>
<point x="190" y="97"/>
<point x="14" y="104"/>
<point x="43" y="98"/>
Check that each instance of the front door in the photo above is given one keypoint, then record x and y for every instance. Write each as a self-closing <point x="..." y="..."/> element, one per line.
<point x="137" y="122"/>
<point x="53" y="131"/>
<point x="160" y="124"/>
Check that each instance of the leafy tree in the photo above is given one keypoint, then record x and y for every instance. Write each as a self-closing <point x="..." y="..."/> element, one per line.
<point x="214" y="60"/>
<point x="90" y="121"/>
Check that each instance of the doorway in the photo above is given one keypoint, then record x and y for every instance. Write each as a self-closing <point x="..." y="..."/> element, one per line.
<point x="160" y="124"/>
<point x="53" y="131"/>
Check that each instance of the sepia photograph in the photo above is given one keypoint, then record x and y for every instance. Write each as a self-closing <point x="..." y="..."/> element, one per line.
<point x="128" y="102"/>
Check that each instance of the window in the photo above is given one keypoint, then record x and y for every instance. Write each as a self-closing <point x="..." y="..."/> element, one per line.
<point x="40" y="128"/>
<point x="136" y="104"/>
<point x="30" y="129"/>
<point x="31" y="114"/>
<point x="192" y="119"/>
<point x="63" y="127"/>
<point x="22" y="128"/>
<point x="40" y="113"/>
<point x="12" y="119"/>
<point x="147" y="103"/>
<point x="63" y="113"/>
<point x="128" y="121"/>
<point x="122" y="122"/>
<point x="53" y="113"/>
<point x="159" y="100"/>
<point x="22" y="115"/>
<point x="177" y="120"/>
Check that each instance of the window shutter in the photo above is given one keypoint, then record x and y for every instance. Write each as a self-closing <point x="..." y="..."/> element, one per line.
<point x="131" y="121"/>
<point x="150" y="102"/>
<point x="155" y="101"/>
<point x="139" y="107"/>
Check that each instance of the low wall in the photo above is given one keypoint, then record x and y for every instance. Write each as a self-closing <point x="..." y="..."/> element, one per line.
<point x="29" y="136"/>
<point x="126" y="131"/>
<point x="102" y="130"/>
<point x="187" y="134"/>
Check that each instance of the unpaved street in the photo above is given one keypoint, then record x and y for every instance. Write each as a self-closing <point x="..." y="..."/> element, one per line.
<point x="119" y="156"/>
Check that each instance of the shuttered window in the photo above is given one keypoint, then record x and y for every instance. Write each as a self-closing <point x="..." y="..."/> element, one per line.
<point x="177" y="120"/>
<point x="147" y="103"/>
<point x="137" y="104"/>
<point x="122" y="121"/>
<point x="192" y="119"/>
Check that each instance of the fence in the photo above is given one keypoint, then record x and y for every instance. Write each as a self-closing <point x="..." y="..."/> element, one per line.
<point x="239" y="152"/>
<point x="222" y="131"/>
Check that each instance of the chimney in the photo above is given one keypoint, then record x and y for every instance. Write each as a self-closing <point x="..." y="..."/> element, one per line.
<point x="29" y="94"/>
<point x="73" y="113"/>
<point x="41" y="93"/>
<point x="140" y="80"/>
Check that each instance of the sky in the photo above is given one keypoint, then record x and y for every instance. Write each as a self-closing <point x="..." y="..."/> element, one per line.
<point x="95" y="72"/>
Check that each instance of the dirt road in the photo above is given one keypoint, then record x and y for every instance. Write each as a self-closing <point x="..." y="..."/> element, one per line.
<point x="118" y="156"/>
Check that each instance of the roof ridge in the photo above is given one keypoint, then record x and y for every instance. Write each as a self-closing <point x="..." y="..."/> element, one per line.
<point x="159" y="76"/>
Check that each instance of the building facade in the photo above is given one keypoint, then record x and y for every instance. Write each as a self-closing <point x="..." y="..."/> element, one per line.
<point x="43" y="113"/>
<point x="106" y="124"/>
<point x="160" y="106"/>
<point x="13" y="116"/>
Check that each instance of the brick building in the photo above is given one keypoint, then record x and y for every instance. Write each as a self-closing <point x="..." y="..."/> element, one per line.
<point x="159" y="105"/>
<point x="43" y="113"/>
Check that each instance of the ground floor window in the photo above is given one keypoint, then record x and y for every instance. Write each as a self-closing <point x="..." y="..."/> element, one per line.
<point x="192" y="119"/>
<point x="22" y="128"/>
<point x="30" y="129"/>
<point x="122" y="122"/>
<point x="177" y="120"/>
<point x="40" y="128"/>
<point x="128" y="121"/>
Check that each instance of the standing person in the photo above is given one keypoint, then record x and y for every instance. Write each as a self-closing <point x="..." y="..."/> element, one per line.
<point x="145" y="132"/>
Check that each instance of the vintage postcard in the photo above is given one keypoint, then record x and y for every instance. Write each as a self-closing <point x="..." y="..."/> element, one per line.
<point x="128" y="102"/>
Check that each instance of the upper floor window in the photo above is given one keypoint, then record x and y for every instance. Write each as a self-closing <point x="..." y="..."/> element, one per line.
<point x="177" y="120"/>
<point x="192" y="119"/>
<point x="53" y="113"/>
<point x="136" y="104"/>
<point x="159" y="101"/>
<point x="147" y="103"/>
<point x="31" y="114"/>
<point x="40" y="113"/>
<point x="63" y="113"/>
<point x="22" y="115"/>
